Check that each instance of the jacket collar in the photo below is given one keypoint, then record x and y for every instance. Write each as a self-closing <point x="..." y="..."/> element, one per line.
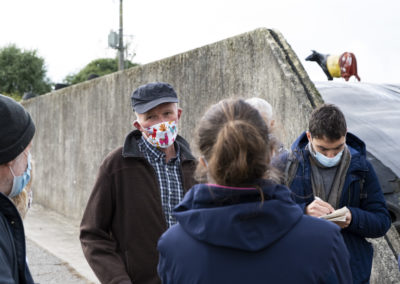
<point x="131" y="148"/>
<point x="8" y="208"/>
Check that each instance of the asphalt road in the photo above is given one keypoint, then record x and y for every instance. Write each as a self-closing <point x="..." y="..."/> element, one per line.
<point x="46" y="268"/>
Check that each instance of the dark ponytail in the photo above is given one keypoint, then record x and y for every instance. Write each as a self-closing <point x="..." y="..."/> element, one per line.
<point x="233" y="138"/>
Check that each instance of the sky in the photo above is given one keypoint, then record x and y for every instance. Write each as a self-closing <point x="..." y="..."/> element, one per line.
<point x="69" y="34"/>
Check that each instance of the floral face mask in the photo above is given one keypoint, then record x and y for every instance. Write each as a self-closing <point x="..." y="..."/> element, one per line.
<point x="163" y="134"/>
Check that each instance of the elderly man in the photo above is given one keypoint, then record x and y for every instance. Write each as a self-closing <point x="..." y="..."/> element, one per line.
<point x="137" y="187"/>
<point x="327" y="170"/>
<point x="17" y="130"/>
<point x="265" y="109"/>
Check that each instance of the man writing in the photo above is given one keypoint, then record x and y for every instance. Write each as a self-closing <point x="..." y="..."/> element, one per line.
<point x="327" y="170"/>
<point x="17" y="130"/>
<point x="137" y="187"/>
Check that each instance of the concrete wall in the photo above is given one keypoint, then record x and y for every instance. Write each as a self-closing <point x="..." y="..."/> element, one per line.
<point x="385" y="269"/>
<point x="77" y="126"/>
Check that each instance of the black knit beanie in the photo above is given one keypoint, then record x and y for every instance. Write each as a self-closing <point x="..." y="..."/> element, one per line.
<point x="16" y="129"/>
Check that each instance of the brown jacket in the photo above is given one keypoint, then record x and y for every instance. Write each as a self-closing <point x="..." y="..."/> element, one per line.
<point x="124" y="218"/>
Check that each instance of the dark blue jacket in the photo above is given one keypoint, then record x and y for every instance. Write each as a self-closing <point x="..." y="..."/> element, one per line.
<point x="226" y="235"/>
<point x="361" y="193"/>
<point x="13" y="267"/>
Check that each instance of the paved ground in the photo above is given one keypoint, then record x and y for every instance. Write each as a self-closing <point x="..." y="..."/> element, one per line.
<point x="53" y="248"/>
<point x="46" y="268"/>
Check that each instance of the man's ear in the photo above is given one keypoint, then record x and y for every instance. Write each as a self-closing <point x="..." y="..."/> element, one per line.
<point x="137" y="125"/>
<point x="179" y="113"/>
<point x="272" y="123"/>
<point x="8" y="164"/>
<point x="309" y="136"/>
<point x="272" y="150"/>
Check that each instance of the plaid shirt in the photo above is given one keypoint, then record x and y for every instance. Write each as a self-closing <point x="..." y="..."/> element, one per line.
<point x="169" y="177"/>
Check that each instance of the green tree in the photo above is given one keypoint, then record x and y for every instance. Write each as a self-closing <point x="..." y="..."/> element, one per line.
<point x="99" y="67"/>
<point x="22" y="71"/>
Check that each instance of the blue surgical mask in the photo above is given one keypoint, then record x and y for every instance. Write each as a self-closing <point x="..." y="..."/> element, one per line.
<point x="328" y="162"/>
<point x="20" y="182"/>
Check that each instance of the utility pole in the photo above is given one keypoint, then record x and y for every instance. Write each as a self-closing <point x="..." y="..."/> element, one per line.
<point x="116" y="41"/>
<point x="121" y="41"/>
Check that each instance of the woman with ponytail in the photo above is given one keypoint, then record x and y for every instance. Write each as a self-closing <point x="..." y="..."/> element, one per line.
<point x="240" y="226"/>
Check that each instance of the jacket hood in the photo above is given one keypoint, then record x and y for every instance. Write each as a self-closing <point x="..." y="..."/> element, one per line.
<point x="235" y="217"/>
<point x="356" y="146"/>
<point x="131" y="148"/>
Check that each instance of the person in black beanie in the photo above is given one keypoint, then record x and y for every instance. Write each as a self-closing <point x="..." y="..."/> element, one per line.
<point x="16" y="133"/>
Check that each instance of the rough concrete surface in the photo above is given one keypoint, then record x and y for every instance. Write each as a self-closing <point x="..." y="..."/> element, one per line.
<point x="385" y="269"/>
<point x="46" y="268"/>
<point x="54" y="250"/>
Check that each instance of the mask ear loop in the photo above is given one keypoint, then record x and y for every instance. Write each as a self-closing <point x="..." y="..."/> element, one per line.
<point x="29" y="161"/>
<point x="29" y="157"/>
<point x="28" y="166"/>
<point x="311" y="149"/>
<point x="204" y="160"/>
<point x="12" y="172"/>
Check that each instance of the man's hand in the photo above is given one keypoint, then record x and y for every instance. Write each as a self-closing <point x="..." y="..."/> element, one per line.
<point x="318" y="208"/>
<point x="346" y="223"/>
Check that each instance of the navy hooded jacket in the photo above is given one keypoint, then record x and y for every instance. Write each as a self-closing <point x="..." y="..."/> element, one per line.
<point x="361" y="194"/>
<point x="227" y="235"/>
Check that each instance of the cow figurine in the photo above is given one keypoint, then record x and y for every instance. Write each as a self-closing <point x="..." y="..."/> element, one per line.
<point x="336" y="66"/>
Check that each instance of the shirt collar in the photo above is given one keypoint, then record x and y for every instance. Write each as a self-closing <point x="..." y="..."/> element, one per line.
<point x="157" y="154"/>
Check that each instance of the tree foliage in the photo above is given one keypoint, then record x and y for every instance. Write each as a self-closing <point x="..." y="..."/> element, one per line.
<point x="99" y="67"/>
<point x="22" y="71"/>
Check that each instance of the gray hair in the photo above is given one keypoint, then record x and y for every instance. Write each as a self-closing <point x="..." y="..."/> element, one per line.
<point x="263" y="107"/>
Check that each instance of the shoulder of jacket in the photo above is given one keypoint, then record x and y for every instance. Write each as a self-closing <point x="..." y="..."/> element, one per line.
<point x="186" y="152"/>
<point x="113" y="156"/>
<point x="116" y="159"/>
<point x="7" y="207"/>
